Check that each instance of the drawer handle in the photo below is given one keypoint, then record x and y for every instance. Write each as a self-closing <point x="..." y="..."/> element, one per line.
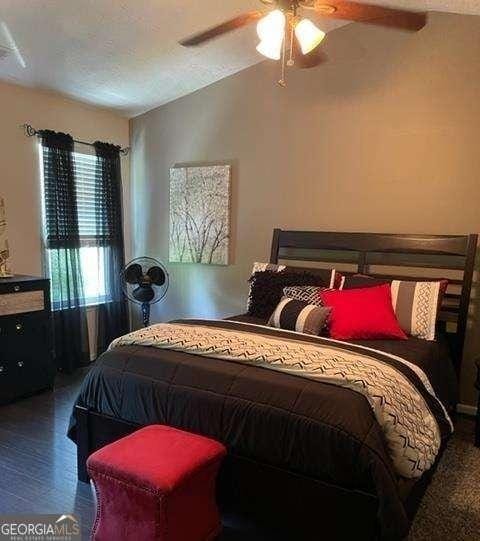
<point x="16" y="288"/>
<point x="18" y="326"/>
<point x="20" y="364"/>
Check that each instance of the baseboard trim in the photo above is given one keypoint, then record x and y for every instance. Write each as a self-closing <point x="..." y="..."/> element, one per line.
<point x="466" y="409"/>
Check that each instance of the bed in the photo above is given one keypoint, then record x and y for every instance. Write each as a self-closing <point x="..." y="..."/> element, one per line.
<point x="307" y="459"/>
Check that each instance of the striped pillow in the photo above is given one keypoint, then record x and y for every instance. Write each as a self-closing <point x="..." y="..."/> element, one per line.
<point x="293" y="315"/>
<point x="416" y="305"/>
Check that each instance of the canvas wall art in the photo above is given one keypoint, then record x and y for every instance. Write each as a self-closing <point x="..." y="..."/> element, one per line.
<point x="200" y="214"/>
<point x="5" y="269"/>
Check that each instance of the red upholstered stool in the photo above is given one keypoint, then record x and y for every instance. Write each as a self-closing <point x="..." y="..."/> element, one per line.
<point x="158" y="484"/>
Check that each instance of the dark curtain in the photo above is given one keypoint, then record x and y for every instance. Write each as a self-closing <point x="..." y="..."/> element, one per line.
<point x="63" y="245"/>
<point x="112" y="314"/>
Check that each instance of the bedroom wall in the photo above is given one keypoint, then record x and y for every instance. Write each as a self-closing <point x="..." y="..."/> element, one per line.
<point x="383" y="137"/>
<point x="20" y="180"/>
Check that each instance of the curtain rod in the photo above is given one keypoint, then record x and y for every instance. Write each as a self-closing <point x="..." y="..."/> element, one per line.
<point x="30" y="131"/>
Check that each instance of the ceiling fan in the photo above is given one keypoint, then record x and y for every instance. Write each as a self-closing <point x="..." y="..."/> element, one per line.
<point x="285" y="30"/>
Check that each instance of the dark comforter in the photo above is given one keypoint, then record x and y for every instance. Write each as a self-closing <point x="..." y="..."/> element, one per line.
<point x="310" y="427"/>
<point x="432" y="357"/>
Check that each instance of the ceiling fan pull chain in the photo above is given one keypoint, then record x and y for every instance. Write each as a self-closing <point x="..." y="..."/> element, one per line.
<point x="291" y="61"/>
<point x="282" y="81"/>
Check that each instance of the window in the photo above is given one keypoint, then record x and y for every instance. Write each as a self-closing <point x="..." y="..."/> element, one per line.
<point x="83" y="242"/>
<point x="92" y="249"/>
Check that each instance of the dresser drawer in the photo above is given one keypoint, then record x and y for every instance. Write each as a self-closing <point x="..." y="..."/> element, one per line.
<point x="24" y="333"/>
<point x="34" y="373"/>
<point x="7" y="382"/>
<point x="26" y="354"/>
<point x="11" y="285"/>
<point x="25" y="375"/>
<point x="21" y="302"/>
<point x="19" y="324"/>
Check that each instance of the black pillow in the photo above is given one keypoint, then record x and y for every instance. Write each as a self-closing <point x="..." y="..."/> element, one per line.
<point x="266" y="289"/>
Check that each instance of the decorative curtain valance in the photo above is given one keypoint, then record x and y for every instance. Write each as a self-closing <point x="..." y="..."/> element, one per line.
<point x="107" y="150"/>
<point x="56" y="140"/>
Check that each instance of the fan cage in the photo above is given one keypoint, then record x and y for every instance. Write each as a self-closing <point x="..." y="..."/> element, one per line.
<point x="146" y="262"/>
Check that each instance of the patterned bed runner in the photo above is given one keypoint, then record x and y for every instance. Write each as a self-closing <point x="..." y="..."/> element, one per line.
<point x="403" y="409"/>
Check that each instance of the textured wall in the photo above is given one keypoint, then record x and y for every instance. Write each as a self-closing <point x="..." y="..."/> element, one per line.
<point x="383" y="137"/>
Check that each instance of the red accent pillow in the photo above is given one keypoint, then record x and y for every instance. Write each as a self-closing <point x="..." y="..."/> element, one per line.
<point x="362" y="314"/>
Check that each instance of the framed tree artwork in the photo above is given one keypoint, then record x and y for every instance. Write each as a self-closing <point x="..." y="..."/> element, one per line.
<point x="200" y="214"/>
<point x="4" y="250"/>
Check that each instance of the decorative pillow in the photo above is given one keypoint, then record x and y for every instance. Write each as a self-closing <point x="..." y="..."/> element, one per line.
<point x="266" y="289"/>
<point x="362" y="314"/>
<point x="293" y="315"/>
<point x="328" y="277"/>
<point x="417" y="304"/>
<point x="338" y="280"/>
<point x="308" y="294"/>
<point x="261" y="267"/>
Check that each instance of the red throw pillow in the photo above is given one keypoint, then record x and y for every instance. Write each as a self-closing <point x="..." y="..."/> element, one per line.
<point x="362" y="314"/>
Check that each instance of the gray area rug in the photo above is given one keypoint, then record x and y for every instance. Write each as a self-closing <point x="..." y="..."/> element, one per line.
<point x="450" y="509"/>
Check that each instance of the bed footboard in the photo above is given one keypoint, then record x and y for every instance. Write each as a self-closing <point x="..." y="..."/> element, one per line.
<point x="279" y="502"/>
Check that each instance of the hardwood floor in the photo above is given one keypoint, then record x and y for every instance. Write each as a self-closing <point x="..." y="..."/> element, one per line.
<point x="38" y="461"/>
<point x="38" y="468"/>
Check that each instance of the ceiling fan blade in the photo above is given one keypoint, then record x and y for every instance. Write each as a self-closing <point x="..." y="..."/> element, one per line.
<point x="228" y="26"/>
<point x="371" y="14"/>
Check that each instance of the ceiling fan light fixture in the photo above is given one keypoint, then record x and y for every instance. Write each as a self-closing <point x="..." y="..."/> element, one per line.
<point x="309" y="36"/>
<point x="272" y="26"/>
<point x="271" y="49"/>
<point x="271" y="31"/>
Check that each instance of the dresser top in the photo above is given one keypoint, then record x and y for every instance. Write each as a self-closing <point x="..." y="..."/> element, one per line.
<point x="20" y="278"/>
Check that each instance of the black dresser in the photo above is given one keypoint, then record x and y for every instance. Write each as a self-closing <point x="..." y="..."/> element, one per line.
<point x="26" y="361"/>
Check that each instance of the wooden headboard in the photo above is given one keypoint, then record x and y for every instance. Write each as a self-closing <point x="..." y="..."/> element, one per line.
<point x="364" y="251"/>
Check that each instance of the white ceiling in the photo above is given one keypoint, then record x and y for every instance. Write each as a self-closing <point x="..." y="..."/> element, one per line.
<point x="125" y="54"/>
